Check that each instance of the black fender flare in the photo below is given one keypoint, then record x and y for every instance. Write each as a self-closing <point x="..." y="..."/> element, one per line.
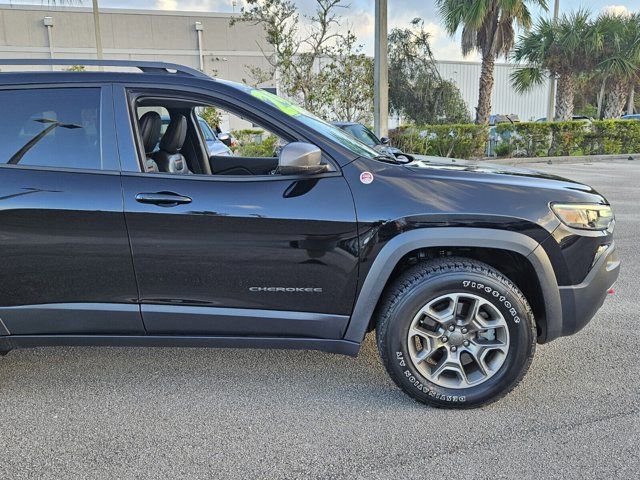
<point x="404" y="243"/>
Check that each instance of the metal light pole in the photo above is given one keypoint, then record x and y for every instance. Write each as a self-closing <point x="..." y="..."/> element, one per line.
<point x="551" y="106"/>
<point x="96" y="27"/>
<point x="381" y="72"/>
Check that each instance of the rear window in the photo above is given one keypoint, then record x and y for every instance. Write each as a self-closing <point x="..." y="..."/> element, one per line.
<point x="58" y="127"/>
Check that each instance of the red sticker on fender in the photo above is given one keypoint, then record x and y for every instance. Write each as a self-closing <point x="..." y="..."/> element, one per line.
<point x="366" y="177"/>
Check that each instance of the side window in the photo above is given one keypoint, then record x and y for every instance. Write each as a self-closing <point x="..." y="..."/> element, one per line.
<point x="58" y="127"/>
<point x="185" y="137"/>
<point x="247" y="139"/>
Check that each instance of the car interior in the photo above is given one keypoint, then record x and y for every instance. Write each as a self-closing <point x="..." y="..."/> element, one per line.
<point x="182" y="148"/>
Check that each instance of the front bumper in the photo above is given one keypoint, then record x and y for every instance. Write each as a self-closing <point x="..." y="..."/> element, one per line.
<point x="581" y="302"/>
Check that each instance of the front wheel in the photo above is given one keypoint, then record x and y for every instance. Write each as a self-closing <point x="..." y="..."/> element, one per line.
<point x="455" y="333"/>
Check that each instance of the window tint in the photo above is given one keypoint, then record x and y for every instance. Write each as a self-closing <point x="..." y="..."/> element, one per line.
<point x="331" y="131"/>
<point x="206" y="131"/>
<point x="245" y="139"/>
<point x="57" y="127"/>
<point x="363" y="134"/>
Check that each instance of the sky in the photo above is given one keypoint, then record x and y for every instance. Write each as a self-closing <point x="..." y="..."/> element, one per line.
<point x="359" y="15"/>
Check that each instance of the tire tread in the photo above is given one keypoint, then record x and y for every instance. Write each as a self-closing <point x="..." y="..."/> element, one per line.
<point x="425" y="270"/>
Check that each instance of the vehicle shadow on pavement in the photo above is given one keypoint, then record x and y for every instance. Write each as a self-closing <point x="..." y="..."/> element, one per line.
<point x="228" y="375"/>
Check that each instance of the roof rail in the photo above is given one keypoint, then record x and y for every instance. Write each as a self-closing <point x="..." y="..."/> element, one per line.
<point x="147" y="67"/>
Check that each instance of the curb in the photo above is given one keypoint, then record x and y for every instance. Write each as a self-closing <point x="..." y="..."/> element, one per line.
<point x="560" y="160"/>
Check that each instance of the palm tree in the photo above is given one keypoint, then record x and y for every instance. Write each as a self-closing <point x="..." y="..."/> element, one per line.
<point x="488" y="26"/>
<point x="561" y="49"/>
<point x="619" y="61"/>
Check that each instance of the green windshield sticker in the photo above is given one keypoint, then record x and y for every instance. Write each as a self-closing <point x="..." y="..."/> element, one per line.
<point x="281" y="104"/>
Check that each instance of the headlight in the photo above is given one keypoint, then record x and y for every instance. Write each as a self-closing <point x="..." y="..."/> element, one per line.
<point x="586" y="216"/>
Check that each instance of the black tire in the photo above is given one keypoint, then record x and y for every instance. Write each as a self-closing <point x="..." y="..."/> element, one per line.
<point x="427" y="281"/>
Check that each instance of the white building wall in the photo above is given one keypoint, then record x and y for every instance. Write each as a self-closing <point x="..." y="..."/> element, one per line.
<point x="165" y="36"/>
<point x="466" y="75"/>
<point x="135" y="35"/>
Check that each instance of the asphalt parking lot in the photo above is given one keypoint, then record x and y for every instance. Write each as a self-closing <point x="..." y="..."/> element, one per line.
<point x="194" y="413"/>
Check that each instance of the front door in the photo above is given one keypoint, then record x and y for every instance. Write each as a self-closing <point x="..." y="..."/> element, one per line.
<point x="241" y="248"/>
<point x="255" y="254"/>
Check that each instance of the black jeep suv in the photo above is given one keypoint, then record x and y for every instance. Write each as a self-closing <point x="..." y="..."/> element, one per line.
<point x="114" y="232"/>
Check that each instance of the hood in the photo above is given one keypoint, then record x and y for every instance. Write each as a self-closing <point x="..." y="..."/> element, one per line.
<point x="442" y="164"/>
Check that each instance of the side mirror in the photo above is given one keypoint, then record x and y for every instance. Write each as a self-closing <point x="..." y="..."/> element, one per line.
<point x="299" y="158"/>
<point x="225" y="138"/>
<point x="384" y="140"/>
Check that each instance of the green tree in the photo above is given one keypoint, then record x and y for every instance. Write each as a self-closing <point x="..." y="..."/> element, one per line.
<point x="347" y="84"/>
<point x="298" y="53"/>
<point x="563" y="49"/>
<point x="212" y="116"/>
<point x="585" y="100"/>
<point x="488" y="26"/>
<point x="417" y="91"/>
<point x="619" y="60"/>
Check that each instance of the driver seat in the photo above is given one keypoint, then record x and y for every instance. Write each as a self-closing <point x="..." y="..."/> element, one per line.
<point x="169" y="158"/>
<point x="150" y="125"/>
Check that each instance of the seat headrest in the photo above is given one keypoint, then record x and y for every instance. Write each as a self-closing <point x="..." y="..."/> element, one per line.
<point x="174" y="137"/>
<point x="150" y="126"/>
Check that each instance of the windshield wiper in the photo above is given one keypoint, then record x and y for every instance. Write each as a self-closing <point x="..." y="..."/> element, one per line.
<point x="387" y="159"/>
<point x="390" y="158"/>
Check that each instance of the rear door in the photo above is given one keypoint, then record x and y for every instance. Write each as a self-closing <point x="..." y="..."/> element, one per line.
<point x="66" y="261"/>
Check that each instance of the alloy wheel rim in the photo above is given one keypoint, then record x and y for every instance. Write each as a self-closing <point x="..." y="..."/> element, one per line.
<point x="458" y="340"/>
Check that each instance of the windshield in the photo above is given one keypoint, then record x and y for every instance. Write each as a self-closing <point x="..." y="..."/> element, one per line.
<point x="363" y="134"/>
<point x="334" y="133"/>
<point x="206" y="130"/>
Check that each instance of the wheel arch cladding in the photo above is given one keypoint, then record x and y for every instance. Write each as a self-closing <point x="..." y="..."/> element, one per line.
<point x="398" y="247"/>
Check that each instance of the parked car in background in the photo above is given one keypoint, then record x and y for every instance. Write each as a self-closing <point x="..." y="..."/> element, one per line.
<point x="575" y="118"/>
<point x="635" y="116"/>
<point x="494" y="137"/>
<point x="366" y="136"/>
<point x="215" y="145"/>
<point x="501" y="118"/>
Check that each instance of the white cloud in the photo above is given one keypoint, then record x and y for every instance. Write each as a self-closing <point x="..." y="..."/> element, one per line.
<point x="362" y="24"/>
<point x="167" y="4"/>
<point x="358" y="17"/>
<point x="619" y="10"/>
<point x="199" y="5"/>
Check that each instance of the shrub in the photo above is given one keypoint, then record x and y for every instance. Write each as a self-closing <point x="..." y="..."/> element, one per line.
<point x="568" y="138"/>
<point x="255" y="143"/>
<point x="504" y="149"/>
<point x="542" y="139"/>
<point x="614" y="137"/>
<point x="527" y="139"/>
<point x="458" y="141"/>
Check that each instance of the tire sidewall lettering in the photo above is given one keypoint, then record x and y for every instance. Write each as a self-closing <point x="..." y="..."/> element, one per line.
<point x="498" y="295"/>
<point x="422" y="386"/>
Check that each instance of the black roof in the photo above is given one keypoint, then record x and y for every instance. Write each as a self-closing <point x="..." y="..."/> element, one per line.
<point x="148" y="67"/>
<point x="157" y="72"/>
